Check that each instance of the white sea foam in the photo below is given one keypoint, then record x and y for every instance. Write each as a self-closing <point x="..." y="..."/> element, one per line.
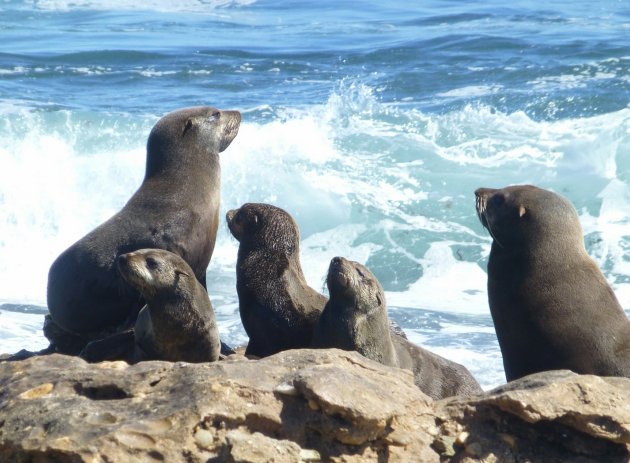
<point x="471" y="91"/>
<point x="21" y="331"/>
<point x="51" y="195"/>
<point x="447" y="284"/>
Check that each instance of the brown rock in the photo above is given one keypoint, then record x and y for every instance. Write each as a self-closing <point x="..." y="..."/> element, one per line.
<point x="555" y="416"/>
<point x="294" y="406"/>
<point x="301" y="405"/>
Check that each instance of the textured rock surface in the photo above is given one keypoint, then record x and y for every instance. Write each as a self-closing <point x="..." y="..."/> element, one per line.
<point x="302" y="405"/>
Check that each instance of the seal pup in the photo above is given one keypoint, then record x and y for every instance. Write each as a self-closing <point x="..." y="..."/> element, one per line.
<point x="551" y="305"/>
<point x="175" y="208"/>
<point x="278" y="309"/>
<point x="177" y="323"/>
<point x="355" y="318"/>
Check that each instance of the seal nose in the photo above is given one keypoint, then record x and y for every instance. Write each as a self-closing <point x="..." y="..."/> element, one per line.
<point x="335" y="261"/>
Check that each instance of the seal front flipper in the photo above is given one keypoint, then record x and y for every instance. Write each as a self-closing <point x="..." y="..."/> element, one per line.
<point x="119" y="346"/>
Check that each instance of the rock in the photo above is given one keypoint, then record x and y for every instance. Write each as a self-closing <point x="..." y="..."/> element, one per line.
<point x="556" y="416"/>
<point x="301" y="405"/>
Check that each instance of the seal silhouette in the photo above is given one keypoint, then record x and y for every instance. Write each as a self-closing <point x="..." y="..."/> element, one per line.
<point x="175" y="208"/>
<point x="355" y="318"/>
<point x="277" y="307"/>
<point x="551" y="305"/>
<point x="177" y="323"/>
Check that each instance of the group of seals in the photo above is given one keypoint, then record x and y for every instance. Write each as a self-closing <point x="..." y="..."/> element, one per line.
<point x="551" y="306"/>
<point x="355" y="318"/>
<point x="176" y="208"/>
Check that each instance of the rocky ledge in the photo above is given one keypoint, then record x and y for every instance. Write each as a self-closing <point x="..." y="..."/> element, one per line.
<point x="302" y="405"/>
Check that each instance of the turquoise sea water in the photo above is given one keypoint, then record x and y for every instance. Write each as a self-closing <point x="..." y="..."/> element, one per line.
<point x="370" y="122"/>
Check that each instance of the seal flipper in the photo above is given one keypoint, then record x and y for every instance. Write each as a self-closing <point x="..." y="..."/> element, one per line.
<point x="226" y="350"/>
<point x="118" y="346"/>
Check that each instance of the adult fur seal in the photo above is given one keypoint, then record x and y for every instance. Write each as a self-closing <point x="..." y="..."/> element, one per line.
<point x="176" y="208"/>
<point x="278" y="309"/>
<point x="355" y="318"/>
<point x="178" y="323"/>
<point x="551" y="306"/>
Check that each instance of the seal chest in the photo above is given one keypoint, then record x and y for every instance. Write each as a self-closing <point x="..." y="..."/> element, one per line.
<point x="551" y="306"/>
<point x="176" y="208"/>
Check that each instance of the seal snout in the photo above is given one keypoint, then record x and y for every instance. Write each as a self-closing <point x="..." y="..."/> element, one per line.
<point x="230" y="217"/>
<point x="230" y="129"/>
<point x="481" y="203"/>
<point x="338" y="275"/>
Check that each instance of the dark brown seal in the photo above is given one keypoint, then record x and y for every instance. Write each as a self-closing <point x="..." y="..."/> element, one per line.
<point x="178" y="323"/>
<point x="278" y="309"/>
<point x="176" y="208"/>
<point x="551" y="306"/>
<point x="355" y="318"/>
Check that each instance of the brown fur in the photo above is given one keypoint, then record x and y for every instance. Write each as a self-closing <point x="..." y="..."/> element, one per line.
<point x="552" y="308"/>
<point x="355" y="318"/>
<point x="176" y="208"/>
<point x="278" y="309"/>
<point x="178" y="323"/>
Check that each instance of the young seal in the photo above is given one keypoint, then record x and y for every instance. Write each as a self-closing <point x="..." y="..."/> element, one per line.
<point x="355" y="318"/>
<point x="278" y="309"/>
<point x="178" y="323"/>
<point x="176" y="208"/>
<point x="551" y="306"/>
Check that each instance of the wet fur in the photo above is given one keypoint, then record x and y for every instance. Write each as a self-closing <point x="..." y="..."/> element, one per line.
<point x="177" y="323"/>
<point x="277" y="307"/>
<point x="355" y="318"/>
<point x="551" y="305"/>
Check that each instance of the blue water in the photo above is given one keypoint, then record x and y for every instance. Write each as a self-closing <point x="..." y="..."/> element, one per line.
<point x="371" y="122"/>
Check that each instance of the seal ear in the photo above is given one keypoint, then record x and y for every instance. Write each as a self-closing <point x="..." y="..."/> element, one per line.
<point x="521" y="211"/>
<point x="188" y="126"/>
<point x="181" y="272"/>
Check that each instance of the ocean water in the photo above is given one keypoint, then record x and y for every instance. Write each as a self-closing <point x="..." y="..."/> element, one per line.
<point x="372" y="123"/>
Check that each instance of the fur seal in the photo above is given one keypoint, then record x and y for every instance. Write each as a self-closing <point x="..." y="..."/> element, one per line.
<point x="355" y="318"/>
<point x="175" y="208"/>
<point x="178" y="323"/>
<point x="278" y="309"/>
<point x="551" y="305"/>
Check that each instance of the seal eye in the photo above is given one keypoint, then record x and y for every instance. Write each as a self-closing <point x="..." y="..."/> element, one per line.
<point x="360" y="273"/>
<point x="215" y="116"/>
<point x="151" y="263"/>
